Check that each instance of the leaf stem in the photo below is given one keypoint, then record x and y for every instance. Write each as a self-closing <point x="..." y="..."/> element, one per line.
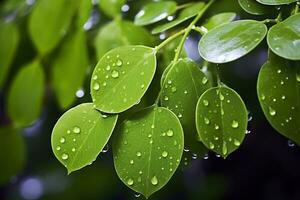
<point x="202" y="30"/>
<point x="277" y="20"/>
<point x="184" y="5"/>
<point x="171" y="38"/>
<point x="297" y="7"/>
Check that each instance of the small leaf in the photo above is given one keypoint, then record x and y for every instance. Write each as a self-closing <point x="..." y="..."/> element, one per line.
<point x="12" y="154"/>
<point x="69" y="68"/>
<point x="183" y="86"/>
<point x="111" y="8"/>
<point x="148" y="149"/>
<point x="231" y="41"/>
<point x="119" y="33"/>
<point x="284" y="38"/>
<point x="185" y="14"/>
<point x="154" y="12"/>
<point x="219" y="19"/>
<point x="254" y="8"/>
<point x="49" y="22"/>
<point x="221" y="120"/>
<point x="80" y="135"/>
<point x="278" y="87"/>
<point x="25" y="96"/>
<point x="122" y="77"/>
<point x="276" y="2"/>
<point x="9" y="39"/>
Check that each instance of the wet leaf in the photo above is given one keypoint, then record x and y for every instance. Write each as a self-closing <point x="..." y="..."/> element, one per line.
<point x="9" y="39"/>
<point x="12" y="154"/>
<point x="111" y="8"/>
<point x="276" y="2"/>
<point x="122" y="77"/>
<point x="154" y="12"/>
<point x="231" y="41"/>
<point x="278" y="87"/>
<point x="184" y="15"/>
<point x="147" y="149"/>
<point x="219" y="19"/>
<point x="69" y="68"/>
<point x="119" y="33"/>
<point x="254" y="8"/>
<point x="48" y="23"/>
<point x="183" y="86"/>
<point x="80" y="135"/>
<point x="221" y="120"/>
<point x="284" y="38"/>
<point x="26" y="93"/>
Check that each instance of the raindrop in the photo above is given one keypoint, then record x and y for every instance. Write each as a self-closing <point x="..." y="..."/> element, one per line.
<point x="170" y="133"/>
<point x="236" y="142"/>
<point x="204" y="80"/>
<point x="206" y="120"/>
<point x="211" y="145"/>
<point x="205" y="157"/>
<point x="131" y="162"/>
<point x="272" y="111"/>
<point x="185" y="91"/>
<point x="217" y="127"/>
<point x="119" y="63"/>
<point x="142" y="86"/>
<point x="154" y="180"/>
<point x="221" y="97"/>
<point x="234" y="124"/>
<point x="58" y="148"/>
<point x="138" y="154"/>
<point x="105" y="149"/>
<point x="205" y="102"/>
<point x="290" y="143"/>
<point x="107" y="68"/>
<point x="76" y="129"/>
<point x="115" y="74"/>
<point x="130" y="181"/>
<point x="224" y="148"/>
<point x="166" y="98"/>
<point x="173" y="89"/>
<point x="62" y="140"/>
<point x="279" y="71"/>
<point x="137" y="195"/>
<point x="298" y="77"/>
<point x="96" y="86"/>
<point x="164" y="154"/>
<point x="73" y="149"/>
<point x="194" y="156"/>
<point x="65" y="156"/>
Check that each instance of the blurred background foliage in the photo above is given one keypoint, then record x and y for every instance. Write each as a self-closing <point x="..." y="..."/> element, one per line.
<point x="48" y="49"/>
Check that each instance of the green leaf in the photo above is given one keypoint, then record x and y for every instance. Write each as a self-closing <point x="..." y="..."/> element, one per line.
<point x="9" y="39"/>
<point x="164" y="74"/>
<point x="276" y="2"/>
<point x="119" y="33"/>
<point x="254" y="8"/>
<point x="80" y="135"/>
<point x="49" y="22"/>
<point x="278" y="89"/>
<point x="69" y="68"/>
<point x="84" y="11"/>
<point x="221" y="120"/>
<point x="231" y="41"/>
<point x="12" y="154"/>
<point x="147" y="149"/>
<point x="26" y="93"/>
<point x="154" y="12"/>
<point x="122" y="77"/>
<point x="111" y="8"/>
<point x="284" y="38"/>
<point x="219" y="19"/>
<point x="183" y="86"/>
<point x="185" y="14"/>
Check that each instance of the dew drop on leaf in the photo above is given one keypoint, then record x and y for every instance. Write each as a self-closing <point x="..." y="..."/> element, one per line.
<point x="234" y="124"/>
<point x="64" y="156"/>
<point x="130" y="181"/>
<point x="115" y="74"/>
<point x="76" y="129"/>
<point x="62" y="140"/>
<point x="154" y="180"/>
<point x="272" y="111"/>
<point x="164" y="154"/>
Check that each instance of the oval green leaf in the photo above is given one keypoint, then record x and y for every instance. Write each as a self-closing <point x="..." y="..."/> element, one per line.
<point x="184" y="15"/>
<point x="12" y="154"/>
<point x="154" y="12"/>
<point x="49" y="22"/>
<point x="183" y="86"/>
<point x="278" y="89"/>
<point x="219" y="19"/>
<point x="9" y="39"/>
<point x="26" y="93"/>
<point x="221" y="120"/>
<point x="148" y="149"/>
<point x="276" y="2"/>
<point x="254" y="8"/>
<point x="69" y="68"/>
<point x="80" y="135"/>
<point x="111" y="8"/>
<point x="231" y="41"/>
<point x="284" y="38"/>
<point x="119" y="33"/>
<point x="122" y="77"/>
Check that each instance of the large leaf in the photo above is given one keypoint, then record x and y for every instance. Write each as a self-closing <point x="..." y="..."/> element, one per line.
<point x="284" y="38"/>
<point x="254" y="8"/>
<point x="49" y="22"/>
<point x="69" y="68"/>
<point x="122" y="77"/>
<point x="147" y="149"/>
<point x="183" y="86"/>
<point x="154" y="12"/>
<point x="278" y="89"/>
<point x="9" y="39"/>
<point x="231" y="41"/>
<point x="111" y="8"/>
<point x="119" y="33"/>
<point x="12" y="154"/>
<point x="25" y="96"/>
<point x="219" y="19"/>
<point x="80" y="135"/>
<point x="184" y="15"/>
<point x="221" y="120"/>
<point x="276" y="2"/>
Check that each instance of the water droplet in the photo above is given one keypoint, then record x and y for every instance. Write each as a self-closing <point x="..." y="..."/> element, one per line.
<point x="279" y="71"/>
<point x="211" y="145"/>
<point x="204" y="80"/>
<point x="73" y="149"/>
<point x="185" y="92"/>
<point x="58" y="148"/>
<point x="152" y="126"/>
<point x="130" y="181"/>
<point x="142" y="86"/>
<point x="282" y="97"/>
<point x="96" y="86"/>
<point x="76" y="129"/>
<point x="170" y="133"/>
<point x="107" y="68"/>
<point x="206" y="120"/>
<point x="105" y="149"/>
<point x="164" y="154"/>
<point x="166" y="98"/>
<point x="205" y="102"/>
<point x="234" y="124"/>
<point x="65" y="156"/>
<point x="179" y="115"/>
<point x="263" y="97"/>
<point x="115" y="74"/>
<point x="95" y="77"/>
<point x="221" y="97"/>
<point x="205" y="157"/>
<point x="290" y="143"/>
<point x="224" y="148"/>
<point x="62" y="140"/>
<point x="272" y="111"/>
<point x="173" y="89"/>
<point x="217" y="127"/>
<point x="236" y="142"/>
<point x="298" y="77"/>
<point x="137" y="195"/>
<point x="194" y="156"/>
<point x="138" y="154"/>
<point x="154" y="180"/>
<point x="131" y="162"/>
<point x="119" y="63"/>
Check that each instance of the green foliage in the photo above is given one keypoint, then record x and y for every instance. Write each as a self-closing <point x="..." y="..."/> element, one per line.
<point x="111" y="8"/>
<point x="219" y="19"/>
<point x="275" y="2"/>
<point x="254" y="8"/>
